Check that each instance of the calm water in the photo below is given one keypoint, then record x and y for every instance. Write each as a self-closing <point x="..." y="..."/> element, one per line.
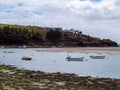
<point x="55" y="62"/>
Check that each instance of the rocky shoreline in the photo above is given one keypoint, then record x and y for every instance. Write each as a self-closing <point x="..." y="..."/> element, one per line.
<point x="12" y="78"/>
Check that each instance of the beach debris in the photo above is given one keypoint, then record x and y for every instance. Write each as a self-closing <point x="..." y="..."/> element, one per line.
<point x="60" y="83"/>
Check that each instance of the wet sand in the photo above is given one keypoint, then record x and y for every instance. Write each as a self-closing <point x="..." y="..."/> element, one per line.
<point x="111" y="50"/>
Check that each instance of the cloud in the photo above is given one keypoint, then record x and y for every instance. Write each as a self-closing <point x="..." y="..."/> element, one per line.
<point x="89" y="10"/>
<point x="89" y="16"/>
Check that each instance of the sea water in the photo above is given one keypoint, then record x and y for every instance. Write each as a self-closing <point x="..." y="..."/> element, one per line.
<point x="48" y="61"/>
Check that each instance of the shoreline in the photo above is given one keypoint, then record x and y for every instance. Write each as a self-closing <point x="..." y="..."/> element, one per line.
<point x="108" y="50"/>
<point x="17" y="79"/>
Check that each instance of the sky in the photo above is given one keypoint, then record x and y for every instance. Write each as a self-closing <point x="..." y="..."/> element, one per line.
<point x="100" y="18"/>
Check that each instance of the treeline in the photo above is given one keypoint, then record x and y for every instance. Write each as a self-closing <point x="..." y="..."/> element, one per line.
<point x="29" y="35"/>
<point x="12" y="35"/>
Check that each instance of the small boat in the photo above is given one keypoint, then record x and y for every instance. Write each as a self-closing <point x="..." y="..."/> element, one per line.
<point x="8" y="52"/>
<point x="26" y="58"/>
<point x="75" y="59"/>
<point x="23" y="46"/>
<point x="97" y="57"/>
<point x="38" y="50"/>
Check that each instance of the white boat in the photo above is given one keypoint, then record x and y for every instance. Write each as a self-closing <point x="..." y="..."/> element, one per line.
<point x="23" y="46"/>
<point x="97" y="57"/>
<point x="75" y="59"/>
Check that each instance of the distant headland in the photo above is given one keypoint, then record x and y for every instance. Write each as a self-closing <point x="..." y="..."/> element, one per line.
<point x="49" y="37"/>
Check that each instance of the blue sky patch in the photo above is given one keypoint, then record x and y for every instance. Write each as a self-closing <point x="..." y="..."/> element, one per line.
<point x="95" y="0"/>
<point x="92" y="0"/>
<point x="38" y="12"/>
<point x="20" y="4"/>
<point x="5" y="8"/>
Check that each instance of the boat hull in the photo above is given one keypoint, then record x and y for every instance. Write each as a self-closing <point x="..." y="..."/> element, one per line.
<point x="97" y="57"/>
<point x="26" y="58"/>
<point x="75" y="59"/>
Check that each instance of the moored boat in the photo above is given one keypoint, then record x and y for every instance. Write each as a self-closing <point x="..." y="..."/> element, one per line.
<point x="26" y="58"/>
<point x="97" y="57"/>
<point x="8" y="52"/>
<point x="75" y="59"/>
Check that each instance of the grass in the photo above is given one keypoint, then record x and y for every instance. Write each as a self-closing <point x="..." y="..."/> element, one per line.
<point x="30" y="28"/>
<point x="16" y="26"/>
<point x="9" y="67"/>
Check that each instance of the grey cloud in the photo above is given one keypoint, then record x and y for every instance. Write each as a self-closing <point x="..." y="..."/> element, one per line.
<point x="86" y="16"/>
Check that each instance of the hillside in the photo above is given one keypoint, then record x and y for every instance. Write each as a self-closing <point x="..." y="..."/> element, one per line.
<point x="47" y="36"/>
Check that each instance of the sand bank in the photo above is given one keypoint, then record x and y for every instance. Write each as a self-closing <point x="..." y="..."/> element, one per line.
<point x="114" y="50"/>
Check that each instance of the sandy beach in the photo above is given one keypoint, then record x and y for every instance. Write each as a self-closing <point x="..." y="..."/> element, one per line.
<point x="109" y="50"/>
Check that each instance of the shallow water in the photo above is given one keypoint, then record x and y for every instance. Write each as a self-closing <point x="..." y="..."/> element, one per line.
<point x="44" y="60"/>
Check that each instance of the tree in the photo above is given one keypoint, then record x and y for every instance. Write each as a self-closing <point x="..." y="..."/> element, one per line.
<point x="54" y="36"/>
<point x="80" y="32"/>
<point x="37" y="37"/>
